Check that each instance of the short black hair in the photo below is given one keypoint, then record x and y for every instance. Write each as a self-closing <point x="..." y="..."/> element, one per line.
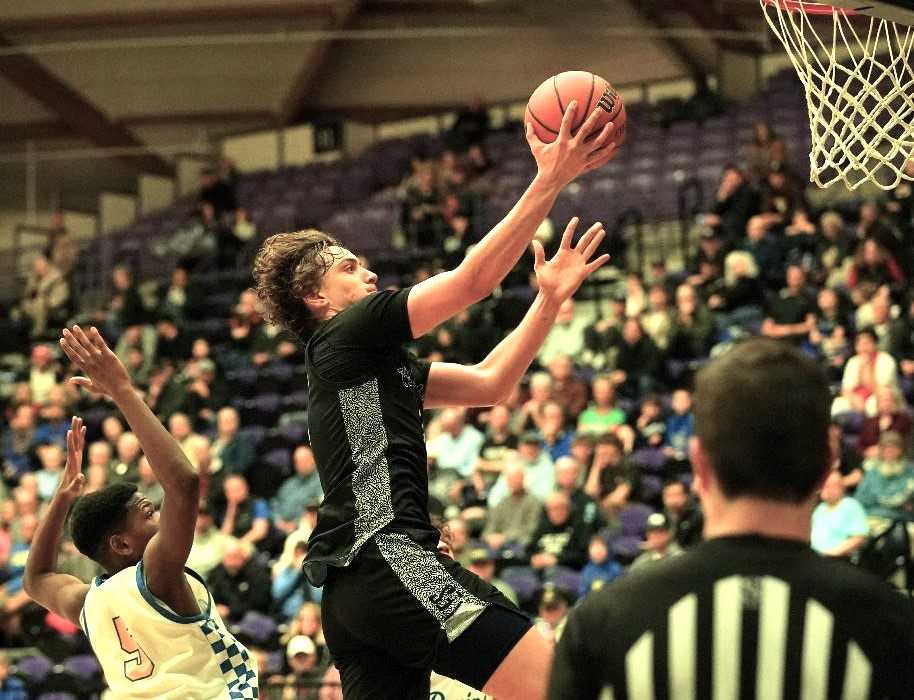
<point x="96" y="515"/>
<point x="870" y="331"/>
<point x="762" y="415"/>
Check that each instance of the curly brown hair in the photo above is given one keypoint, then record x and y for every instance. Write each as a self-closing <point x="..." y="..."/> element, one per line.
<point x="289" y="267"/>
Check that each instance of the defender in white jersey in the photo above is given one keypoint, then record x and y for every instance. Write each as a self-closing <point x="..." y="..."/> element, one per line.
<point x="150" y="620"/>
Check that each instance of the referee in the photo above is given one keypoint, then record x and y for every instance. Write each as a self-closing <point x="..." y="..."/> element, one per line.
<point x="752" y="612"/>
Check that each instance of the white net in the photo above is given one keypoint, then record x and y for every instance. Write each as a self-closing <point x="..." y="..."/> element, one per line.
<point x="859" y="91"/>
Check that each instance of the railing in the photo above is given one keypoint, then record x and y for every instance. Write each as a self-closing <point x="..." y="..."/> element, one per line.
<point x="690" y="199"/>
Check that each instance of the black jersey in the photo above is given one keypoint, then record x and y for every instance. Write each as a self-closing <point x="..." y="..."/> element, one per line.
<point x="365" y="424"/>
<point x="739" y="617"/>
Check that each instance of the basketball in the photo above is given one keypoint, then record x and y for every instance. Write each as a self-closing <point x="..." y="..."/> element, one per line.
<point x="548" y="102"/>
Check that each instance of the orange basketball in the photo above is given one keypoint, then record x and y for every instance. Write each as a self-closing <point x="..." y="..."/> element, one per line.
<point x="548" y="102"/>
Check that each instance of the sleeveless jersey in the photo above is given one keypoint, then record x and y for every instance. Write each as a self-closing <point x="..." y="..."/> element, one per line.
<point x="148" y="651"/>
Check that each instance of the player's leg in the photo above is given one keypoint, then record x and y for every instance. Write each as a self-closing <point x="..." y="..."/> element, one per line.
<point x="371" y="675"/>
<point x="524" y="672"/>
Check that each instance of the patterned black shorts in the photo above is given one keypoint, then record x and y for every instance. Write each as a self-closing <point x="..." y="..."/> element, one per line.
<point x="399" y="611"/>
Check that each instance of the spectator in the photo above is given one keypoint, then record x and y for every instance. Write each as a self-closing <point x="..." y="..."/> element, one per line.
<point x="52" y="459"/>
<point x="217" y="192"/>
<point x="566" y="337"/>
<point x="659" y="544"/>
<point x="53" y="418"/>
<point x="126" y="306"/>
<point x="708" y="262"/>
<point x="839" y="526"/>
<point x="600" y="568"/>
<point x="231" y="452"/>
<point x="766" y="250"/>
<point x="181" y="300"/>
<point x="112" y="429"/>
<point x="792" y="315"/>
<point x="530" y="417"/>
<point x="290" y="589"/>
<point x="172" y="346"/>
<point x="470" y="127"/>
<point x="455" y="450"/>
<point x="650" y="426"/>
<point x="692" y="331"/>
<point x="680" y="426"/>
<point x="887" y="489"/>
<point x="739" y="302"/>
<point x="11" y="687"/>
<point x="657" y="319"/>
<point x="297" y="491"/>
<point x="540" y="475"/>
<point x="873" y="267"/>
<point x="149" y="486"/>
<point x="44" y="373"/>
<point x="240" y="583"/>
<point x="559" y="539"/>
<point x="498" y="445"/>
<point x="553" y="609"/>
<point x="46" y="298"/>
<point x="302" y="669"/>
<point x="244" y="229"/>
<point x="511" y="522"/>
<point x="830" y="334"/>
<point x="603" y="415"/>
<point x="759" y="156"/>
<point x="903" y="339"/>
<point x="182" y="431"/>
<point x="206" y="393"/>
<point x="456" y="535"/>
<point x="603" y="336"/>
<point x="481" y="561"/>
<point x="735" y="202"/>
<point x="18" y="444"/>
<point x="612" y="482"/>
<point x="683" y="514"/>
<point x="638" y="363"/>
<point x="568" y="481"/>
<point x="890" y="415"/>
<point x="99" y="466"/>
<point x="845" y="458"/>
<point x="210" y="543"/>
<point x="422" y="217"/>
<point x="871" y="225"/>
<point x="126" y="467"/>
<point x="864" y="373"/>
<point x="243" y="516"/>
<point x="556" y="440"/>
<point x="568" y="390"/>
<point x="781" y="196"/>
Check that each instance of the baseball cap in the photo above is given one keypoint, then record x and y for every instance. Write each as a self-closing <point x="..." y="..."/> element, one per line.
<point x="657" y="521"/>
<point x="300" y="645"/>
<point x="480" y="553"/>
<point x="530" y="437"/>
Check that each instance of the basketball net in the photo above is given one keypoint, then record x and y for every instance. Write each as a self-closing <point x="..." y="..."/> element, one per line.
<point x="859" y="91"/>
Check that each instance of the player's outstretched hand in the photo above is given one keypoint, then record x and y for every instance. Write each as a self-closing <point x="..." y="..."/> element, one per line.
<point x="560" y="277"/>
<point x="73" y="480"/>
<point x="568" y="156"/>
<point x="105" y="374"/>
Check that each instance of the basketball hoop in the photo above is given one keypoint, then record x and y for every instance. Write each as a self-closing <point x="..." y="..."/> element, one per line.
<point x="859" y="87"/>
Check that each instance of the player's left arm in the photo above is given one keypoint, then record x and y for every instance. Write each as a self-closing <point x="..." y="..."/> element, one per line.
<point x="60" y="593"/>
<point x="493" y="379"/>
<point x="167" y="551"/>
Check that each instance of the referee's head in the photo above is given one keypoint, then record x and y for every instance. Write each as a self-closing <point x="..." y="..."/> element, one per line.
<point x="761" y="421"/>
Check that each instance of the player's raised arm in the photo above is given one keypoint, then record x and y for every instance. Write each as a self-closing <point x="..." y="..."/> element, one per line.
<point x="60" y="593"/>
<point x="167" y="551"/>
<point x="440" y="297"/>
<point x="493" y="379"/>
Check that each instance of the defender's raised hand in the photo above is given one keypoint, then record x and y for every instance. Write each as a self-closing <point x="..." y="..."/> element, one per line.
<point x="105" y="374"/>
<point x="560" y="277"/>
<point x="569" y="155"/>
<point x="73" y="480"/>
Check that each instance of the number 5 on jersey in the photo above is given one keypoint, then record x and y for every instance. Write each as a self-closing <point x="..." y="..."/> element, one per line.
<point x="139" y="665"/>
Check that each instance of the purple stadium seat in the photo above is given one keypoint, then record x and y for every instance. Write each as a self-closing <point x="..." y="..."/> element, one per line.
<point x="649" y="458"/>
<point x="523" y="580"/>
<point x="633" y="519"/>
<point x="257" y="628"/>
<point x="34" y="669"/>
<point x="84" y="666"/>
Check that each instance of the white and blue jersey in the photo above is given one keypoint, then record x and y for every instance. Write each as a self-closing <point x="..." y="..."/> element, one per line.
<point x="148" y="651"/>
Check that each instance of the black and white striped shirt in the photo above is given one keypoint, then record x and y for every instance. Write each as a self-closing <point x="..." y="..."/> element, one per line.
<point x="739" y="617"/>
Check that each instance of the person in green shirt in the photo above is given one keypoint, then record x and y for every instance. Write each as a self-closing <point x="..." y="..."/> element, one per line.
<point x="603" y="415"/>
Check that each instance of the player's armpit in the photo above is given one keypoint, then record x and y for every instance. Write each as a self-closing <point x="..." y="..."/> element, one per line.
<point x="459" y="385"/>
<point x="60" y="593"/>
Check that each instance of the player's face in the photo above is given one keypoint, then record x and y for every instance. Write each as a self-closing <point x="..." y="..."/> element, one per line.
<point x="346" y="282"/>
<point x="142" y="524"/>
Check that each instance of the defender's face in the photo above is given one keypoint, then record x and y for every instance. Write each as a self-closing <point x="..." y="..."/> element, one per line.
<point x="142" y="524"/>
<point x="346" y="282"/>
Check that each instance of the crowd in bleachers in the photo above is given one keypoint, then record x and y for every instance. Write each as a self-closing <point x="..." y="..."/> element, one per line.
<point x="583" y="472"/>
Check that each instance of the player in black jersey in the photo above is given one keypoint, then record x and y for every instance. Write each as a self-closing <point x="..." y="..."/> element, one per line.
<point x="752" y="612"/>
<point x="393" y="607"/>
